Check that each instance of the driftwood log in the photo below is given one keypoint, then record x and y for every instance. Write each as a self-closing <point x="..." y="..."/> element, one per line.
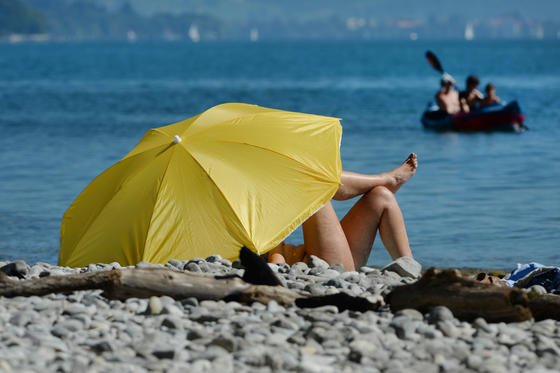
<point x="469" y="299"/>
<point x="144" y="283"/>
<point x="545" y="306"/>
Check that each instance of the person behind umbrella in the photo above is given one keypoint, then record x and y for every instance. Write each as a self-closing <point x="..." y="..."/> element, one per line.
<point x="447" y="98"/>
<point x="471" y="97"/>
<point x="349" y="241"/>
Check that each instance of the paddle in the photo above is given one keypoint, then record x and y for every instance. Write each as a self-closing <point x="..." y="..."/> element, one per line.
<point x="434" y="61"/>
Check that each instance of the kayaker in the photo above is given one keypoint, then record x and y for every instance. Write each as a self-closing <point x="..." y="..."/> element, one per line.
<point x="447" y="98"/>
<point x="490" y="98"/>
<point x="349" y="241"/>
<point x="471" y="97"/>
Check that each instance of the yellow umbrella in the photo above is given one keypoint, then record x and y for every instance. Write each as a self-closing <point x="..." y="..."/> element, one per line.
<point x="235" y="175"/>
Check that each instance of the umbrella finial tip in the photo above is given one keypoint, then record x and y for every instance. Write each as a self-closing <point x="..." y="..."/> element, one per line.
<point x="177" y="139"/>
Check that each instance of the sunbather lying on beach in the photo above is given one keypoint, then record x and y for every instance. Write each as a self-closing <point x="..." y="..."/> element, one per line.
<point x="350" y="240"/>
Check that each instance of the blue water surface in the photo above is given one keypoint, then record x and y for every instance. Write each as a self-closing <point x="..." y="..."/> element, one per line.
<point x="69" y="111"/>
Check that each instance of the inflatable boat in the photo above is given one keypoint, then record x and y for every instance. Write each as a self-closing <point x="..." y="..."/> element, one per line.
<point x="496" y="117"/>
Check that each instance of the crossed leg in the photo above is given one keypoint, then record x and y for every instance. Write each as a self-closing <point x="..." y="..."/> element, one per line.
<point x="349" y="241"/>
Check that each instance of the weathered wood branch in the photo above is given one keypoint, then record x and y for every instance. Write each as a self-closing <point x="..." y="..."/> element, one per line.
<point x="143" y="283"/>
<point x="264" y="294"/>
<point x="469" y="299"/>
<point x="545" y="306"/>
<point x="57" y="284"/>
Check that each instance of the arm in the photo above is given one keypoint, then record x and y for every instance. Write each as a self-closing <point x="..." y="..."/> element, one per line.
<point x="441" y="102"/>
<point x="478" y="96"/>
<point x="465" y="108"/>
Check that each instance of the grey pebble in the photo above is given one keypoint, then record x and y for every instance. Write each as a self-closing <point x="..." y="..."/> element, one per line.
<point x="335" y="282"/>
<point x="16" y="269"/>
<point x="172" y="322"/>
<point x="448" y="329"/>
<point x="404" y="326"/>
<point x="410" y="313"/>
<point x="316" y="262"/>
<point x="192" y="267"/>
<point x="164" y="353"/>
<point x="328" y="273"/>
<point x="174" y="263"/>
<point x="439" y="313"/>
<point x="227" y="342"/>
<point x="237" y="264"/>
<point x="537" y="289"/>
<point x="154" y="306"/>
<point x="190" y="302"/>
<point x="481" y="324"/>
<point x="172" y="309"/>
<point x="214" y="259"/>
<point x="405" y="266"/>
<point x="300" y="268"/>
<point x="140" y="265"/>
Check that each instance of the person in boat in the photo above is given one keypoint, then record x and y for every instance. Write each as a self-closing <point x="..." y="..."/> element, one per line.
<point x="471" y="97"/>
<point x="490" y="98"/>
<point x="349" y="241"/>
<point x="447" y="98"/>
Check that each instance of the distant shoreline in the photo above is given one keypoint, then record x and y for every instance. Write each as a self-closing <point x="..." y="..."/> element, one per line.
<point x="46" y="39"/>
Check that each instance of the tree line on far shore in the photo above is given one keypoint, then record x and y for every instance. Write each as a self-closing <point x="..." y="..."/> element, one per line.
<point x="88" y="20"/>
<point x="19" y="18"/>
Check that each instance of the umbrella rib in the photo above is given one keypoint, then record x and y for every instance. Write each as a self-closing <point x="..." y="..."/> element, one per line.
<point x="276" y="152"/>
<point x="153" y="147"/>
<point x="160" y="132"/>
<point x="265" y="110"/>
<point x="156" y="197"/>
<point x="104" y="206"/>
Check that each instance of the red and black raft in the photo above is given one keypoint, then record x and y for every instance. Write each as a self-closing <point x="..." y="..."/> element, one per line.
<point x="496" y="117"/>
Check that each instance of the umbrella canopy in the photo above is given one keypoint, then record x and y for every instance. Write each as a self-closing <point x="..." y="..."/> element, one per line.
<point x="235" y="175"/>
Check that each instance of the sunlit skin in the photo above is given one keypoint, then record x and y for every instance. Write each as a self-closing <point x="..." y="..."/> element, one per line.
<point x="471" y="96"/>
<point x="350" y="240"/>
<point x="447" y="99"/>
<point x="490" y="97"/>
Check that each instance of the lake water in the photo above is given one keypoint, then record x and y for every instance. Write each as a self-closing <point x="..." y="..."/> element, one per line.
<point x="69" y="111"/>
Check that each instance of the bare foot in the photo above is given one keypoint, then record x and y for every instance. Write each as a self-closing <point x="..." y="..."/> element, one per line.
<point x="401" y="174"/>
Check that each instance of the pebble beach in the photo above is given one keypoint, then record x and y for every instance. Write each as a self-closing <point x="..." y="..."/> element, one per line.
<point x="84" y="331"/>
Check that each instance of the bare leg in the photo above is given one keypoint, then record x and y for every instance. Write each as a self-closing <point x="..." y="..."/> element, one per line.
<point x="349" y="242"/>
<point x="377" y="209"/>
<point x="353" y="184"/>
<point x="324" y="237"/>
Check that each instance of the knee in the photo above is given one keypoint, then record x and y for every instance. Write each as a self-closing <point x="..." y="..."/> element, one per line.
<point x="380" y="196"/>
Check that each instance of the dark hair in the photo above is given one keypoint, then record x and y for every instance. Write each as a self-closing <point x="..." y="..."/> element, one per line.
<point x="473" y="80"/>
<point x="489" y="87"/>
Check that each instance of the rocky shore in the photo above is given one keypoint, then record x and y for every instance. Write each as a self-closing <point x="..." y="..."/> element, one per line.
<point x="83" y="331"/>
